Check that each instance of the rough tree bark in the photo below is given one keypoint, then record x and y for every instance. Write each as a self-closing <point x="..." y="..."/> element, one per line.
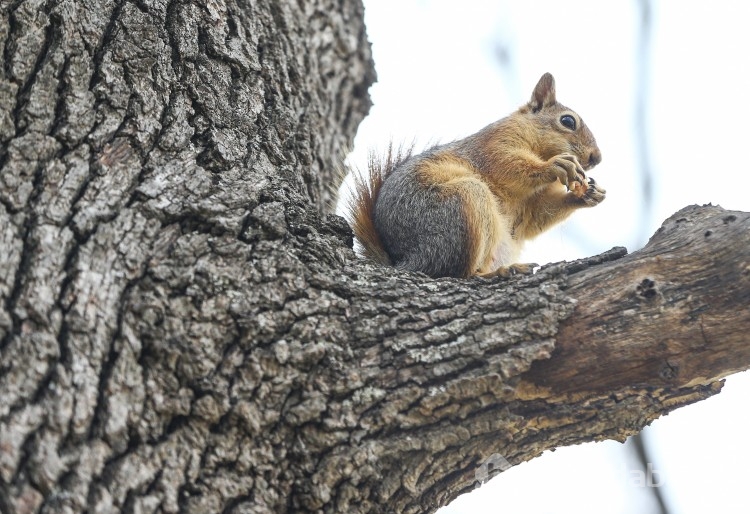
<point x="184" y="329"/>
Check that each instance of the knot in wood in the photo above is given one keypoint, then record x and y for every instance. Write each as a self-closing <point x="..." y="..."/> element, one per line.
<point x="669" y="371"/>
<point x="647" y="289"/>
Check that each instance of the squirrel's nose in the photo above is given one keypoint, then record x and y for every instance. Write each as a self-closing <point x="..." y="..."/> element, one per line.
<point x="595" y="157"/>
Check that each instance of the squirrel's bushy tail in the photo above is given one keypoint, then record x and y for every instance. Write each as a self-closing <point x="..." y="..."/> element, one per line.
<point x="362" y="202"/>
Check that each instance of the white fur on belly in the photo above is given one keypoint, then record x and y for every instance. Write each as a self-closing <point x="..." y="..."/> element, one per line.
<point x="507" y="252"/>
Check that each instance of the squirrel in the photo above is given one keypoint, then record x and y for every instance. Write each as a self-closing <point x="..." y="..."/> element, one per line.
<point x="465" y="208"/>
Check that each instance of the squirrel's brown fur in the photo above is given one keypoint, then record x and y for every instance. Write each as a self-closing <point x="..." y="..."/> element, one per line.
<point x="465" y="208"/>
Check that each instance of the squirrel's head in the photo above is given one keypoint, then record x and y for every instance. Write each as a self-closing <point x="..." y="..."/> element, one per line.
<point x="560" y="129"/>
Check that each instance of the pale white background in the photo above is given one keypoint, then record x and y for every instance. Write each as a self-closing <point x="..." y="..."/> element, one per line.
<point x="441" y="76"/>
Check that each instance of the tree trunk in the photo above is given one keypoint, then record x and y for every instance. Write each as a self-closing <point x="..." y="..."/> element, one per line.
<point x="184" y="329"/>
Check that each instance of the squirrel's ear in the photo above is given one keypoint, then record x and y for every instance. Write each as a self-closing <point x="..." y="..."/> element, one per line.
<point x="544" y="93"/>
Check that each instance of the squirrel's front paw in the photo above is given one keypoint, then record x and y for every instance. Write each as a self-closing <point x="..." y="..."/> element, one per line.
<point x="566" y="168"/>
<point x="593" y="195"/>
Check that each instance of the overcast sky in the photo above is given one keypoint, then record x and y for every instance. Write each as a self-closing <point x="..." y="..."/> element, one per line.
<point x="446" y="69"/>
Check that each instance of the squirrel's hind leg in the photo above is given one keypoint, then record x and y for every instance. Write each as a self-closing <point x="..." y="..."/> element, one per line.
<point x="490" y="245"/>
<point x="486" y="225"/>
<point x="511" y="270"/>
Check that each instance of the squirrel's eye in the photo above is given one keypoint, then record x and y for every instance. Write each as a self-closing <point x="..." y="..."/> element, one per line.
<point x="568" y="121"/>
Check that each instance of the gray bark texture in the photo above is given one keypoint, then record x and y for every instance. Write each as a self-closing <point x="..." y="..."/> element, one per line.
<point x="184" y="328"/>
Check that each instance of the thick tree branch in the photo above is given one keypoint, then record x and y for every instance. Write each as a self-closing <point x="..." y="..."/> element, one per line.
<point x="626" y="351"/>
<point x="673" y="314"/>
